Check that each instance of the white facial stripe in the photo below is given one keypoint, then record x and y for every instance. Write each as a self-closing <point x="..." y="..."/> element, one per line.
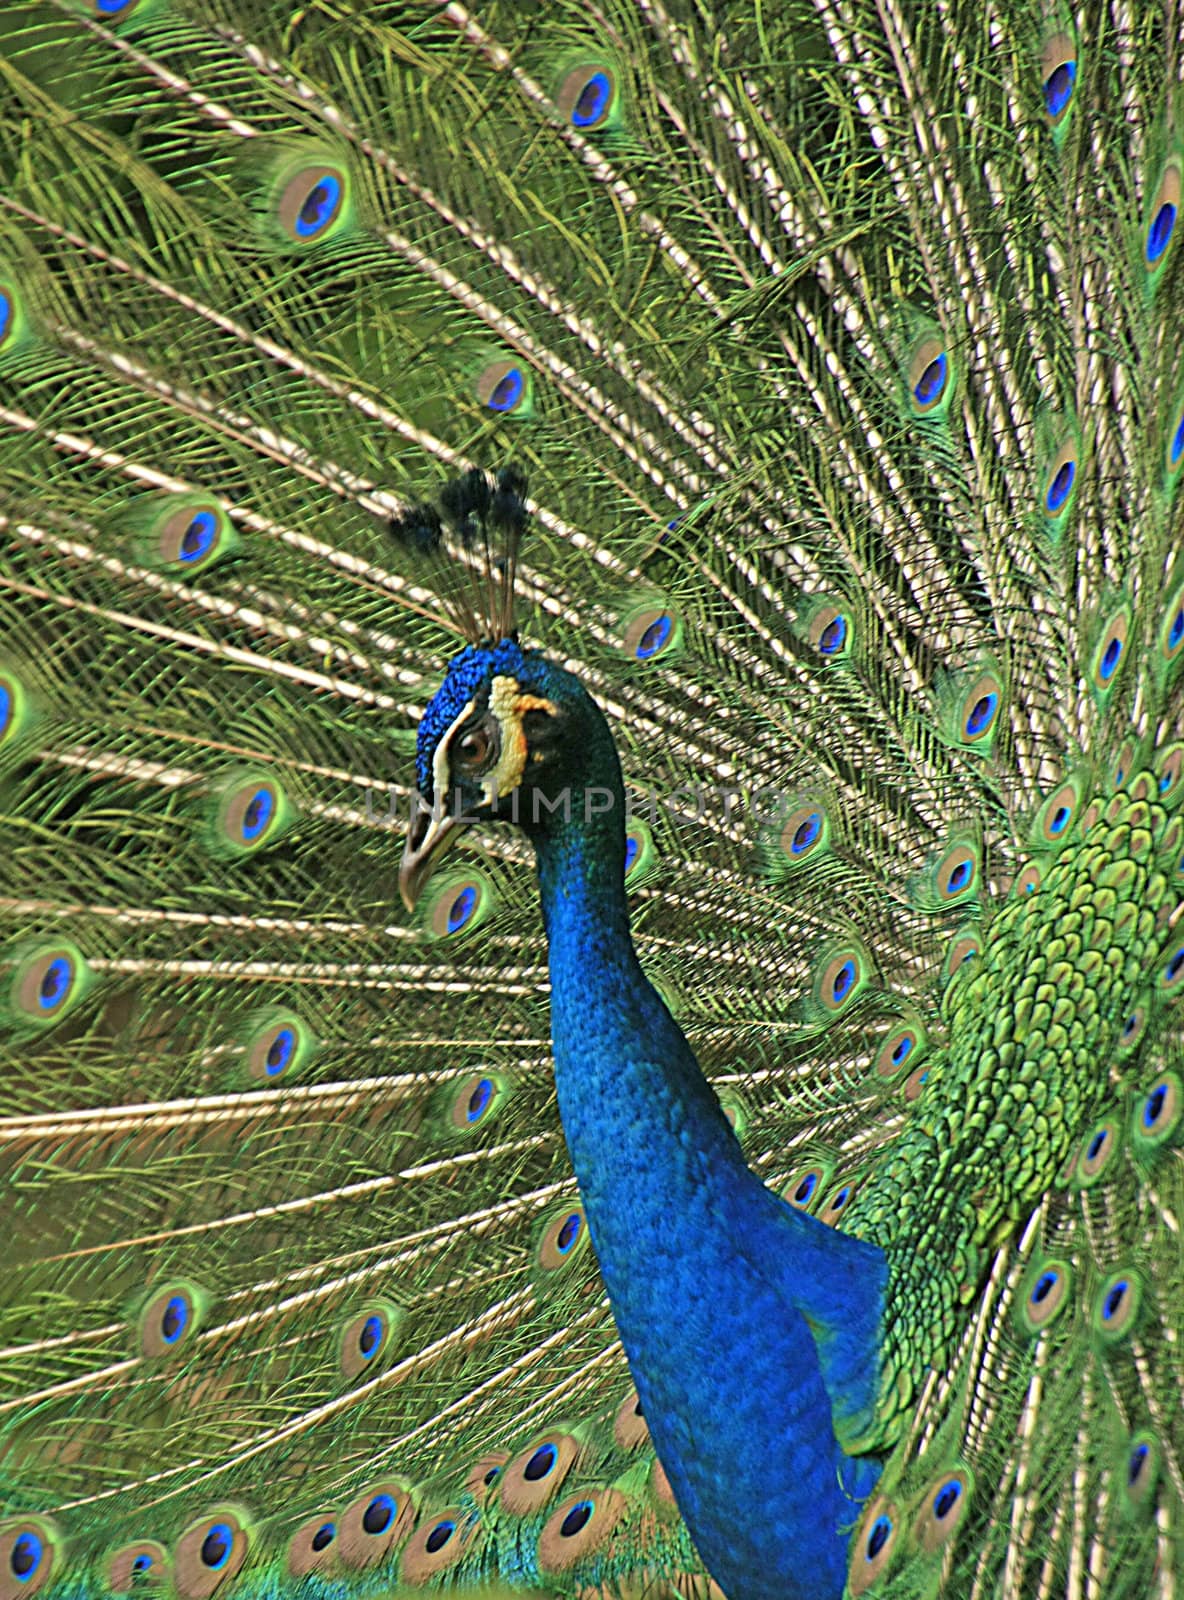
<point x="441" y="763"/>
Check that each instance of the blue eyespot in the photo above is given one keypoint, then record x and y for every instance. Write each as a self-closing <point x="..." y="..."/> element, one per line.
<point x="379" y="1514"/>
<point x="1059" y="820"/>
<point x="1159" y="234"/>
<point x="1110" y="659"/>
<point x="840" y="1199"/>
<point x="198" y="539"/>
<point x="1059" y="488"/>
<point x="593" y="101"/>
<point x="1174" y="967"/>
<point x="833" y="636"/>
<point x="257" y="815"/>
<point x="1058" y="87"/>
<point x="5" y="314"/>
<point x="1134" y="1466"/>
<point x="462" y="908"/>
<point x="174" y="1319"/>
<point x="568" y="1234"/>
<point x="280" y="1052"/>
<point x="806" y="1188"/>
<point x="1044" y="1286"/>
<point x="370" y="1337"/>
<point x="320" y="206"/>
<point x="507" y="391"/>
<point x="982" y="714"/>
<point x="540" y="1464"/>
<point x="26" y="1556"/>
<point x="112" y="8"/>
<point x="479" y="1101"/>
<point x="632" y="850"/>
<point x="1154" y="1104"/>
<point x="142" y="1563"/>
<point x="946" y="1499"/>
<point x="1096" y="1143"/>
<point x="216" y="1546"/>
<point x="55" y="984"/>
<point x="439" y="1536"/>
<point x="655" y="636"/>
<point x="7" y="705"/>
<point x="806" y="833"/>
<point x="578" y="1517"/>
<point x="1113" y="1302"/>
<point x="843" y="981"/>
<point x="930" y="386"/>
<point x="903" y="1050"/>
<point x="1177" y="449"/>
<point x="960" y="876"/>
<point x="324" y="1536"/>
<point x="1129" y="1026"/>
<point x="878" y="1536"/>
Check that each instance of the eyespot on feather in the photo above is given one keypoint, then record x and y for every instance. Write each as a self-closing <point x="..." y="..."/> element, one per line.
<point x="311" y="201"/>
<point x="506" y="387"/>
<point x="457" y="904"/>
<point x="804" y="1187"/>
<point x="169" y="1320"/>
<point x="1056" y="817"/>
<point x="1058" y="70"/>
<point x="277" y="1044"/>
<point x="437" y="1545"/>
<point x="138" y="1568"/>
<point x="562" y="1239"/>
<point x="252" y="812"/>
<point x="1096" y="1153"/>
<point x="373" y="1524"/>
<point x="827" y="627"/>
<point x="969" y="710"/>
<point x="1116" y="1307"/>
<point x="840" y="976"/>
<point x="1168" y="767"/>
<point x="48" y="981"/>
<point x="30" y="1551"/>
<point x="1060" y="482"/>
<point x="964" y="948"/>
<point x="943" y="1510"/>
<point x="1131" y="1034"/>
<point x="630" y="1429"/>
<point x="1138" y="1469"/>
<point x="1045" y="1294"/>
<point x="1110" y="652"/>
<point x="651" y="632"/>
<point x="806" y="833"/>
<point x="930" y="377"/>
<point x="313" y="1547"/>
<point x="641" y="853"/>
<point x="587" y="96"/>
<point x="873" y="1546"/>
<point x="1156" y="1120"/>
<point x="533" y="1477"/>
<point x="474" y="1102"/>
<point x="1163" y="215"/>
<point x="581" y="1525"/>
<point x="210" y="1552"/>
<point x="485" y="1472"/>
<point x="366" y="1338"/>
<point x="904" y="1046"/>
<point x="837" y="1202"/>
<point x="189" y="533"/>
<point x="14" y="707"/>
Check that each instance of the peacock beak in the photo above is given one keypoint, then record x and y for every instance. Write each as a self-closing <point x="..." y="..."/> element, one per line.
<point x="430" y="836"/>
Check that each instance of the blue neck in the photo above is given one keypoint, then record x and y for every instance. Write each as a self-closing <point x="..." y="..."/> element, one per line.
<point x="751" y="1329"/>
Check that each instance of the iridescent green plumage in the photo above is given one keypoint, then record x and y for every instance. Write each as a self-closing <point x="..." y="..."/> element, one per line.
<point x="839" y="344"/>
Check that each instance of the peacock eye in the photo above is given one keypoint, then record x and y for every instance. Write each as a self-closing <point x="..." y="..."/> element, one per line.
<point x="474" y="747"/>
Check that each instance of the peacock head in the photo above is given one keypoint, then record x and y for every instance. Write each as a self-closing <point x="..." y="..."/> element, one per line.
<point x="508" y="736"/>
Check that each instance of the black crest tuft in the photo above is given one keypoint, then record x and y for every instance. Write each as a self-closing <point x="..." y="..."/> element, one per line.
<point x="472" y="541"/>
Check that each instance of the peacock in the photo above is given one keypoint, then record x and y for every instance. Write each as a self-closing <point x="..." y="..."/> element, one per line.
<point x="711" y="470"/>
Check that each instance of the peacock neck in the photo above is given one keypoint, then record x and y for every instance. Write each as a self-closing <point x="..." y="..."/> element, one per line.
<point x="712" y="1279"/>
